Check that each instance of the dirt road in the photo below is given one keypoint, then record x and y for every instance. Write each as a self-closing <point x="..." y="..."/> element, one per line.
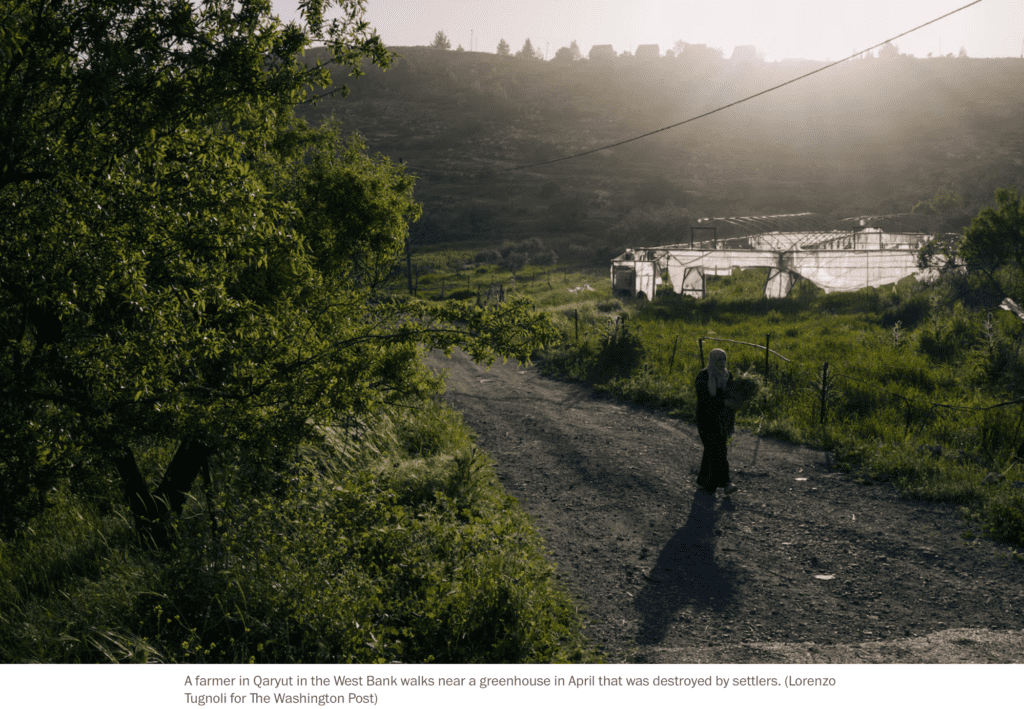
<point x="803" y="565"/>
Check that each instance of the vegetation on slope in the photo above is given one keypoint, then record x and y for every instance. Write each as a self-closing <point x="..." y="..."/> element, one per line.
<point x="193" y="289"/>
<point x="389" y="542"/>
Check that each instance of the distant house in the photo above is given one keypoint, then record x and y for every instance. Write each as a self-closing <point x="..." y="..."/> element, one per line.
<point x="700" y="55"/>
<point x="744" y="53"/>
<point x="648" y="51"/>
<point x="602" y="52"/>
<point x="701" y="52"/>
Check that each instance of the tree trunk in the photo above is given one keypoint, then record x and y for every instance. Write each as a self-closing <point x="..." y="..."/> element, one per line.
<point x="150" y="509"/>
<point x="144" y="508"/>
<point x="191" y="459"/>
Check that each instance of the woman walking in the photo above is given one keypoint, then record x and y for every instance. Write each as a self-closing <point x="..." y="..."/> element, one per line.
<point x="714" y="423"/>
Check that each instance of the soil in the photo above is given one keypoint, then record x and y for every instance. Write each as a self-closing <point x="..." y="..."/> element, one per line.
<point x="803" y="565"/>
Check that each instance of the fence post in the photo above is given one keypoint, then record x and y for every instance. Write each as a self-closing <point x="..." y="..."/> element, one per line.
<point x="767" y="344"/>
<point x="824" y="392"/>
<point x="672" y="361"/>
<point x="700" y="344"/>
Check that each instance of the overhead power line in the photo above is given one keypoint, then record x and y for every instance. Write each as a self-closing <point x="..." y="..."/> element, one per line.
<point x="743" y="100"/>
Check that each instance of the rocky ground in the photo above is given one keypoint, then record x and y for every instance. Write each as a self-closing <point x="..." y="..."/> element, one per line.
<point x="803" y="565"/>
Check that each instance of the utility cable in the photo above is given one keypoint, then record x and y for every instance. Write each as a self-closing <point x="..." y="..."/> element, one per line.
<point x="742" y="100"/>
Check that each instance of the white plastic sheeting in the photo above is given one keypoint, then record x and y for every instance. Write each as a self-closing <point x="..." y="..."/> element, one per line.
<point x="692" y="283"/>
<point x="831" y="270"/>
<point x="779" y="283"/>
<point x="643" y="280"/>
<point x="844" y="270"/>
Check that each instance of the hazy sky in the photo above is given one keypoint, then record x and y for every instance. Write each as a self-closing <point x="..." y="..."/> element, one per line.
<point x="811" y="29"/>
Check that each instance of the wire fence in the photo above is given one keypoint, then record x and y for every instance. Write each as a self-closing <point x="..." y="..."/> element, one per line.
<point x="915" y="410"/>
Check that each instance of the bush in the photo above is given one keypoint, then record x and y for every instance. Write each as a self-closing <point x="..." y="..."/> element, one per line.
<point x="487" y="256"/>
<point x="1005" y="517"/>
<point x="947" y="338"/>
<point x="431" y="430"/>
<point x="621" y="351"/>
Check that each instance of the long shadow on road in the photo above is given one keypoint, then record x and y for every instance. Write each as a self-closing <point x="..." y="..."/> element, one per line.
<point x="685" y="574"/>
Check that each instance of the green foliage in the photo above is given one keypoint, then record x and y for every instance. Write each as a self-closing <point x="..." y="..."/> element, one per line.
<point x="996" y="236"/>
<point x="430" y="430"/>
<point x="360" y="553"/>
<point x="620" y="351"/>
<point x="950" y="334"/>
<point x="182" y="260"/>
<point x="1004" y="517"/>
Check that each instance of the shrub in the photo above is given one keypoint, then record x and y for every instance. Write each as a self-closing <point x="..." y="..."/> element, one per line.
<point x="947" y="338"/>
<point x="1005" y="517"/>
<point x="621" y="351"/>
<point x="432" y="430"/>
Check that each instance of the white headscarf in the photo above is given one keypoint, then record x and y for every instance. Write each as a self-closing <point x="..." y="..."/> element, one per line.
<point x="718" y="375"/>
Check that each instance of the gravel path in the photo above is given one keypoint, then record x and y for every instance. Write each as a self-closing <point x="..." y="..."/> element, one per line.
<point x="802" y="565"/>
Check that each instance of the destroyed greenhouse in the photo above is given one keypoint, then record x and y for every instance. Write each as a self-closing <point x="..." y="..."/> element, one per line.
<point x="844" y="256"/>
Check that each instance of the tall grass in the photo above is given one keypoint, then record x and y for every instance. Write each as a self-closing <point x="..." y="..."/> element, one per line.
<point x="391" y="541"/>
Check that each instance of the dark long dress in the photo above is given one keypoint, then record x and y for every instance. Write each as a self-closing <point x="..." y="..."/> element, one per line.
<point x="714" y="422"/>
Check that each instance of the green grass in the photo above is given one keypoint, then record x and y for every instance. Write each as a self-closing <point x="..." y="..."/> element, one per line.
<point x="392" y="542"/>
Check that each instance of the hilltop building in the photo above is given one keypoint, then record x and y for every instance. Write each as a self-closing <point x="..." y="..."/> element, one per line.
<point x="746" y="53"/>
<point x="601" y="52"/>
<point x="648" y="51"/>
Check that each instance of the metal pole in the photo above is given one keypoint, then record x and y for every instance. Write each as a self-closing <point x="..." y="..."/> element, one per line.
<point x="576" y="315"/>
<point x="767" y="345"/>
<point x="700" y="344"/>
<point x="672" y="361"/>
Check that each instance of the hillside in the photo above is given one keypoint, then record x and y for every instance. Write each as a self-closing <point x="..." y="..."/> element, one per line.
<point x="869" y="136"/>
